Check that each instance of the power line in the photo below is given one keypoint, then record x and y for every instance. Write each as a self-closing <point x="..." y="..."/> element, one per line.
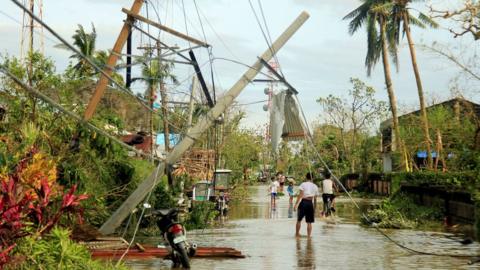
<point x="269" y="37"/>
<point x="59" y="107"/>
<point x="310" y="140"/>
<point x="71" y="47"/>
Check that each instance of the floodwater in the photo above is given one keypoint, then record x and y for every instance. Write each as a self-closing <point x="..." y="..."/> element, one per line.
<point x="266" y="237"/>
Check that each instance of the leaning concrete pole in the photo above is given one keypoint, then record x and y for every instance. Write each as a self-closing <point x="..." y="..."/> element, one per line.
<point x="202" y="125"/>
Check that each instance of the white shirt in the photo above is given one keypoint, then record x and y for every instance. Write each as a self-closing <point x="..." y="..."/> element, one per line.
<point x="273" y="186"/>
<point x="309" y="189"/>
<point x="327" y="186"/>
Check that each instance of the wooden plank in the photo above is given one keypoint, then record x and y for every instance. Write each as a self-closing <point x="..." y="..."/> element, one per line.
<point x="134" y="15"/>
<point x="154" y="252"/>
<point x="112" y="60"/>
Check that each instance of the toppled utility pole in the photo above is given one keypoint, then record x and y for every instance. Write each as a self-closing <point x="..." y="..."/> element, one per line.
<point x="112" y="60"/>
<point x="202" y="125"/>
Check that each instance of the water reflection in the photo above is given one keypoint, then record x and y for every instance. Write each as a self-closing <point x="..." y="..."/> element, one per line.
<point x="266" y="237"/>
<point x="273" y="213"/>
<point x="290" y="210"/>
<point x="305" y="253"/>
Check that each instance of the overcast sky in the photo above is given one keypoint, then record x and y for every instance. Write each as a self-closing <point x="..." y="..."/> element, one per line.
<point x="318" y="60"/>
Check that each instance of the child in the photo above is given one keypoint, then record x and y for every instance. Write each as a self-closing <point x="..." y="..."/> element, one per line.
<point x="273" y="191"/>
<point x="290" y="191"/>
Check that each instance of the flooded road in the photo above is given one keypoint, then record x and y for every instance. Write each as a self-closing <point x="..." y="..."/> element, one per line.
<point x="266" y="237"/>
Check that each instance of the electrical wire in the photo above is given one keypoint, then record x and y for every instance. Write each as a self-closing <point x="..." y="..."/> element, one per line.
<point x="261" y="29"/>
<point x="310" y="140"/>
<point x="71" y="47"/>
<point x="269" y="37"/>
<point x="59" y="107"/>
<point x="137" y="227"/>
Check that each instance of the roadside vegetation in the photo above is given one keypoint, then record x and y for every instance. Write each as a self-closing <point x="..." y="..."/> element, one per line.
<point x="55" y="173"/>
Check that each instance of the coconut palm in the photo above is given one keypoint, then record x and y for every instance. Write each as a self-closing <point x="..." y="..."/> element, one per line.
<point x="402" y="18"/>
<point x="154" y="73"/>
<point x="380" y="33"/>
<point x="85" y="43"/>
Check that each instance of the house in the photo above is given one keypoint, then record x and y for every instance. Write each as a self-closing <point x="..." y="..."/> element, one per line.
<point x="461" y="108"/>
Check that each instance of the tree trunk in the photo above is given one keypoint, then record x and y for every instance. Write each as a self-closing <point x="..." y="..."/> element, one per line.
<point x="391" y="93"/>
<point x="423" y="109"/>
<point x="166" y="130"/>
<point x="150" y="119"/>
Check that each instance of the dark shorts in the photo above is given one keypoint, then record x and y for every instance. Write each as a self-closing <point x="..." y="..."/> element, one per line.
<point x="305" y="209"/>
<point x="274" y="194"/>
<point x="326" y="196"/>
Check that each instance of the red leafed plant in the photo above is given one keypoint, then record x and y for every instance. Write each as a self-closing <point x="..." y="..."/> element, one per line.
<point x="32" y="202"/>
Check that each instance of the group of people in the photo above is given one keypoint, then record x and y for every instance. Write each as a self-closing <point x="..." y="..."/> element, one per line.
<point x="306" y="202"/>
<point x="277" y="186"/>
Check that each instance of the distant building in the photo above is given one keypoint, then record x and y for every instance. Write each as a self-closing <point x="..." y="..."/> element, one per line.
<point x="461" y="108"/>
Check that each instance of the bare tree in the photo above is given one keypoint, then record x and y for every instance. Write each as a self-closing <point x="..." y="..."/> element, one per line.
<point x="467" y="17"/>
<point x="353" y="116"/>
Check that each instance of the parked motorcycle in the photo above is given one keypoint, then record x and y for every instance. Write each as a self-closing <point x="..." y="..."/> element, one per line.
<point x="175" y="236"/>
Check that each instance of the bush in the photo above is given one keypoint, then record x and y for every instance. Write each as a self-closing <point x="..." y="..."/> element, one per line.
<point x="401" y="212"/>
<point x="201" y="216"/>
<point x="55" y="251"/>
<point x="467" y="181"/>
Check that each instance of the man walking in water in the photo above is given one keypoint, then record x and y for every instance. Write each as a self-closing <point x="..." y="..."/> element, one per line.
<point x="306" y="203"/>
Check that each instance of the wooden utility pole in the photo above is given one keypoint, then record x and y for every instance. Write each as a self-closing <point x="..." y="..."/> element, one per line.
<point x="134" y="15"/>
<point x="112" y="60"/>
<point x="203" y="124"/>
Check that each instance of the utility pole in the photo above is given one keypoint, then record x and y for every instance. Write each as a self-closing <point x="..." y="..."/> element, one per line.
<point x="202" y="125"/>
<point x="128" y="75"/>
<point x="112" y="60"/>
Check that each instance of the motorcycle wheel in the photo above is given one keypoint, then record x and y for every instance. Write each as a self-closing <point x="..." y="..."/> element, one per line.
<point x="183" y="256"/>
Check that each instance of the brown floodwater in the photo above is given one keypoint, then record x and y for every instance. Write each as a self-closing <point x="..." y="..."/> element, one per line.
<point x="266" y="237"/>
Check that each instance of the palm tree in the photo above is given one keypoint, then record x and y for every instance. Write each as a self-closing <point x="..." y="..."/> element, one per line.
<point x="153" y="74"/>
<point x="85" y="42"/>
<point x="401" y="17"/>
<point x="380" y="44"/>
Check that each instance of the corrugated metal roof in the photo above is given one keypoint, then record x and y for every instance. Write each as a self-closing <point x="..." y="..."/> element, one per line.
<point x="293" y="129"/>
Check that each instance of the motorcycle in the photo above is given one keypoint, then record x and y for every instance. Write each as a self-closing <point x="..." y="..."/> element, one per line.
<point x="175" y="236"/>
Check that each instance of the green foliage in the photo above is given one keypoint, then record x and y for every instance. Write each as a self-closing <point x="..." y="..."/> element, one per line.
<point x="349" y="123"/>
<point x="243" y="147"/>
<point x="55" y="251"/>
<point x="401" y="212"/>
<point x="457" y="133"/>
<point x="162" y="197"/>
<point x="201" y="216"/>
<point x="467" y="181"/>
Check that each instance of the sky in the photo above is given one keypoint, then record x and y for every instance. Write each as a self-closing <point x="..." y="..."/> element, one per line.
<point x="318" y="60"/>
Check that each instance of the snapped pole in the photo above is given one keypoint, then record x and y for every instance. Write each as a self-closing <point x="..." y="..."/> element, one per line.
<point x="112" y="60"/>
<point x="202" y="125"/>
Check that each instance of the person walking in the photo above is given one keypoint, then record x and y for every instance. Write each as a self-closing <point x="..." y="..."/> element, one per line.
<point x="273" y="189"/>
<point x="281" y="180"/>
<point x="306" y="204"/>
<point x="290" y="191"/>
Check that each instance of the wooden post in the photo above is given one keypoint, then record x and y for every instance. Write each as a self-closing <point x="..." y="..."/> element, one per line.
<point x="134" y="15"/>
<point x="203" y="124"/>
<point x="112" y="60"/>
